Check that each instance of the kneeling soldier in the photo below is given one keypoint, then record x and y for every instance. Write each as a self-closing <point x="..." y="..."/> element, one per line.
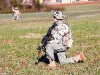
<point x="62" y="40"/>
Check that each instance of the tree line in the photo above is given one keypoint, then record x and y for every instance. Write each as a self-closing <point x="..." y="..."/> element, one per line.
<point x="6" y="5"/>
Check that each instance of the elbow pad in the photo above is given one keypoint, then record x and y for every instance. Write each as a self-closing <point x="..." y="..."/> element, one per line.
<point x="63" y="32"/>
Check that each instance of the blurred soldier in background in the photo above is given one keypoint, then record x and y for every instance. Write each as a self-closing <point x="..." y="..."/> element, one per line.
<point x="16" y="14"/>
<point x="62" y="40"/>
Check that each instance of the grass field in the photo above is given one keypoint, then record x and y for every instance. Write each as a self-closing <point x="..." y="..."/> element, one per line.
<point x="19" y="40"/>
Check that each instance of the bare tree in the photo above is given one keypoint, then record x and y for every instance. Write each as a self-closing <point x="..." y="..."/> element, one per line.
<point x="5" y="4"/>
<point x="36" y="5"/>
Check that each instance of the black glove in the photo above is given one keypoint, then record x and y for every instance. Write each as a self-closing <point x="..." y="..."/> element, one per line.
<point x="39" y="48"/>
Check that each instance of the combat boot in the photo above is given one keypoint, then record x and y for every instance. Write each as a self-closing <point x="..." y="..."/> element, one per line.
<point x="52" y="64"/>
<point x="80" y="57"/>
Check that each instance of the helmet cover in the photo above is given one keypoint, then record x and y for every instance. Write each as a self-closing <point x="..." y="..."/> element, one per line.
<point x="58" y="14"/>
<point x="16" y="8"/>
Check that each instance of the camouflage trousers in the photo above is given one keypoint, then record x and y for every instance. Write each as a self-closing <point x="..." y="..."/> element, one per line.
<point x="15" y="17"/>
<point x="61" y="53"/>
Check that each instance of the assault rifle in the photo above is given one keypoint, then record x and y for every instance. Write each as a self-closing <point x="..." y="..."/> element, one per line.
<point x="46" y="38"/>
<point x="44" y="42"/>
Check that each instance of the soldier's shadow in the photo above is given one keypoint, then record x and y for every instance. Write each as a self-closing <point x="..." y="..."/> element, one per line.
<point x="45" y="60"/>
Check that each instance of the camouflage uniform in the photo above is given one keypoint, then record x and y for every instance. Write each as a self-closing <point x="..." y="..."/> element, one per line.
<point x="16" y="14"/>
<point x="57" y="46"/>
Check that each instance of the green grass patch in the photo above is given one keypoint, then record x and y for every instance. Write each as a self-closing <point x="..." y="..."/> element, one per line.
<point x="19" y="41"/>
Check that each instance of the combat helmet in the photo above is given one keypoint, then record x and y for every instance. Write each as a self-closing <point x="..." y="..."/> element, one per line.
<point x="58" y="15"/>
<point x="16" y="8"/>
